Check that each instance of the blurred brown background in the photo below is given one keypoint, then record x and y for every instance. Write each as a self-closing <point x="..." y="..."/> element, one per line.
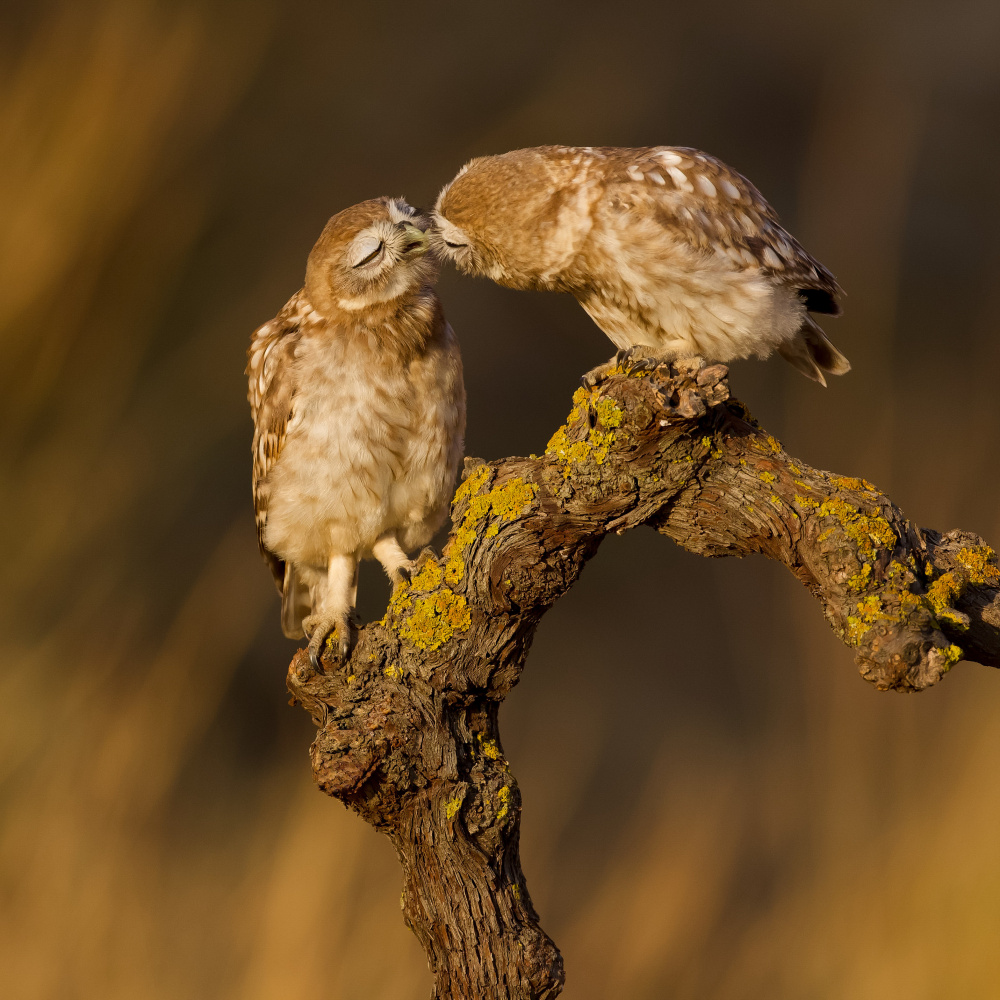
<point x="743" y="817"/>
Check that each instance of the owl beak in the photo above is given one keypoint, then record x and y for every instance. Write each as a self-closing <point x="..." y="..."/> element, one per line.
<point x="417" y="243"/>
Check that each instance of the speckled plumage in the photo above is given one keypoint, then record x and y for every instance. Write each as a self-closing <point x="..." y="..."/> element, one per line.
<point x="666" y="248"/>
<point x="358" y="403"/>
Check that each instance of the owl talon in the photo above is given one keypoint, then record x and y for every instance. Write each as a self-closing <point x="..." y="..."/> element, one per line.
<point x="320" y="628"/>
<point x="347" y="640"/>
<point x="639" y="359"/>
<point x="628" y="361"/>
<point x="593" y="378"/>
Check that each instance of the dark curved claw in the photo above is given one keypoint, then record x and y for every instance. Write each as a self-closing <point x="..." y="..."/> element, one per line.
<point x="346" y="643"/>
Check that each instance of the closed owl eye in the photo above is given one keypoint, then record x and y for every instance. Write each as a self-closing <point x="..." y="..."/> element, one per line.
<point x="368" y="258"/>
<point x="454" y="246"/>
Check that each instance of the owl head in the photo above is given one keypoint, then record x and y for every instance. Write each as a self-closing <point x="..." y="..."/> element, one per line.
<point x="372" y="253"/>
<point x="514" y="217"/>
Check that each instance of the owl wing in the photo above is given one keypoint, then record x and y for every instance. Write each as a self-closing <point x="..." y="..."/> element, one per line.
<point x="716" y="210"/>
<point x="272" y="405"/>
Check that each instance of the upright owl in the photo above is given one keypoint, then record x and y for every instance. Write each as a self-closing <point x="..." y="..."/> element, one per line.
<point x="358" y="406"/>
<point x="669" y="250"/>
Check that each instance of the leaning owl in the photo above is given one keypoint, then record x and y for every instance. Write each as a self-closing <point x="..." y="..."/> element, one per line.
<point x="358" y="406"/>
<point x="670" y="251"/>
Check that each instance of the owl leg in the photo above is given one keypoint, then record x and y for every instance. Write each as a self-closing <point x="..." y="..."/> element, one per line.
<point x="394" y="560"/>
<point x="336" y="610"/>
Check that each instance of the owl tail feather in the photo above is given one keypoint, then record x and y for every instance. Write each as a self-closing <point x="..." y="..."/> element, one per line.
<point x="296" y="603"/>
<point x="812" y="353"/>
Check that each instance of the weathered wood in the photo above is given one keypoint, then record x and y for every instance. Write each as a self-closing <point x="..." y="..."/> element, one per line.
<point x="408" y="731"/>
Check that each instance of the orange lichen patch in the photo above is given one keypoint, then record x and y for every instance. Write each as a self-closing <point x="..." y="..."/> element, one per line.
<point x="980" y="561"/>
<point x="852" y="483"/>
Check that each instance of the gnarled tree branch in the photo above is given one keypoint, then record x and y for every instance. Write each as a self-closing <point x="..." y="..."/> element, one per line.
<point x="408" y="731"/>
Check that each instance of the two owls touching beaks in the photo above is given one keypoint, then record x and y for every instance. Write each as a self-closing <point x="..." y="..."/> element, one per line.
<point x="356" y="385"/>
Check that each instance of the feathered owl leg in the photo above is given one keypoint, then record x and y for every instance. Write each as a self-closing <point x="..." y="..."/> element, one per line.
<point x="394" y="560"/>
<point x="336" y="609"/>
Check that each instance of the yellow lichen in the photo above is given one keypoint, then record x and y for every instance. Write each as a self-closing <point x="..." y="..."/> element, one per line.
<point x="767" y="477"/>
<point x="505" y="503"/>
<point x="951" y="655"/>
<point x="434" y="618"/>
<point x="429" y="577"/>
<point x="598" y="441"/>
<point x="870" y="610"/>
<point x="452" y="806"/>
<point x="942" y="593"/>
<point x="504" y="796"/>
<point x="489" y="748"/>
<point x="899" y="577"/>
<point x="861" y="580"/>
<point x="852" y="483"/>
<point x="508" y="502"/>
<point x="609" y="413"/>
<point x="869" y="532"/>
<point x="980" y="561"/>
<point x="473" y="483"/>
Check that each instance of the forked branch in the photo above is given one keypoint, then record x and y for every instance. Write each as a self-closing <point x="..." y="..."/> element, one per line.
<point x="408" y="731"/>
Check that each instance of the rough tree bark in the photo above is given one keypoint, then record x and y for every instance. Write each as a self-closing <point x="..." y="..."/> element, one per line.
<point x="408" y="731"/>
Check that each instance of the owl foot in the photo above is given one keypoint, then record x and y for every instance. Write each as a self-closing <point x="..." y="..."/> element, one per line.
<point x="322" y="627"/>
<point x="397" y="565"/>
<point x="593" y="378"/>
<point x="629" y="361"/>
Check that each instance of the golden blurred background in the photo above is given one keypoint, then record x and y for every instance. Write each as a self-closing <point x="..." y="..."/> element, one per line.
<point x="715" y="805"/>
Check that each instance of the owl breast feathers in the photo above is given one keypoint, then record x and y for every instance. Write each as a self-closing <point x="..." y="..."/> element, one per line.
<point x="359" y="411"/>
<point x="666" y="248"/>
